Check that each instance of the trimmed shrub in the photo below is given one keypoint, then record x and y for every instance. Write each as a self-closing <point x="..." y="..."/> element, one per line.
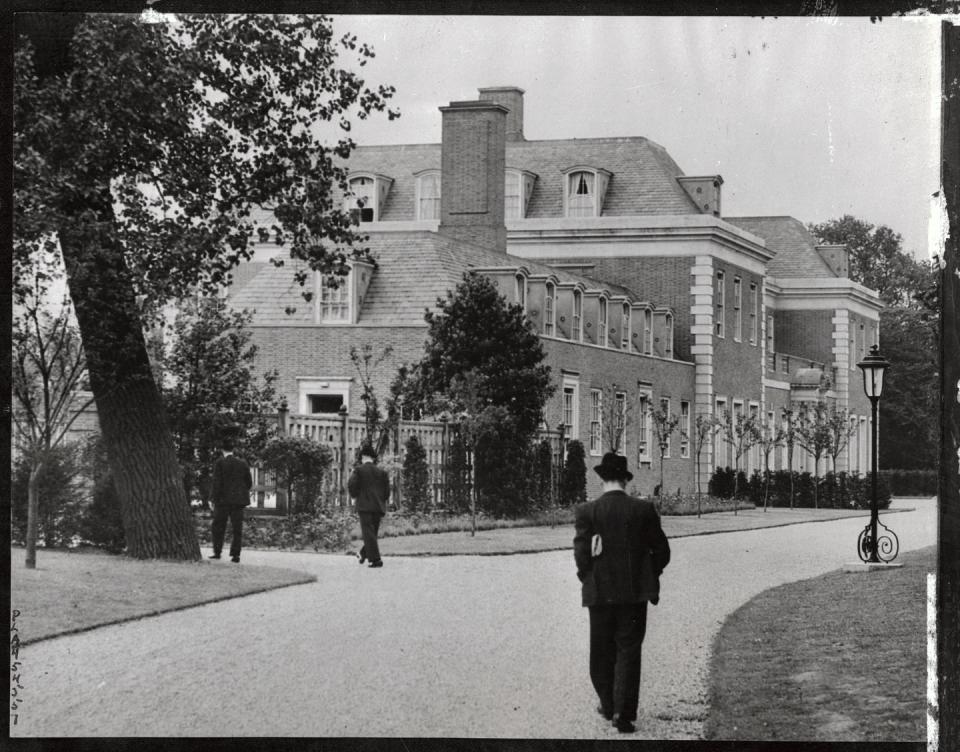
<point x="542" y="477"/>
<point x="102" y="523"/>
<point x="59" y="496"/>
<point x="910" y="482"/>
<point x="299" y="465"/>
<point x="573" y="485"/>
<point x="323" y="530"/>
<point x="416" y="476"/>
<point x="457" y="496"/>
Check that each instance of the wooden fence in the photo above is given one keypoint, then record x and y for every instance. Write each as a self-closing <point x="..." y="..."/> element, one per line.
<point x="344" y="436"/>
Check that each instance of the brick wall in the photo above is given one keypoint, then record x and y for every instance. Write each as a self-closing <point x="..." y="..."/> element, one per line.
<point x="658" y="280"/>
<point x="808" y="334"/>
<point x="597" y="367"/>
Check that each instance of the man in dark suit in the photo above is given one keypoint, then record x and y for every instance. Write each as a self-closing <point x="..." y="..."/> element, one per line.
<point x="620" y="550"/>
<point x="369" y="487"/>
<point x="231" y="493"/>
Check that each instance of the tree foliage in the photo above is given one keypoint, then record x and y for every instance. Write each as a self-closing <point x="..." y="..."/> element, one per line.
<point x="573" y="489"/>
<point x="299" y="465"/>
<point x="155" y="154"/>
<point x="416" y="476"/>
<point x="210" y="389"/>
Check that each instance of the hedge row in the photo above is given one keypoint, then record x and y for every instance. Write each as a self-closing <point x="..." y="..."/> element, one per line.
<point x="910" y="482"/>
<point x="836" y="490"/>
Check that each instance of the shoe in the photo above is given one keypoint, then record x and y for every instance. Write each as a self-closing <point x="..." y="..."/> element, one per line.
<point x="375" y="564"/>
<point x="235" y="559"/>
<point x="361" y="557"/>
<point x="624" y="727"/>
<point x="214" y="556"/>
<point x="605" y="713"/>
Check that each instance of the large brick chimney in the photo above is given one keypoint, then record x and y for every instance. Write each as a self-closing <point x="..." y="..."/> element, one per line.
<point x="510" y="97"/>
<point x="473" y="164"/>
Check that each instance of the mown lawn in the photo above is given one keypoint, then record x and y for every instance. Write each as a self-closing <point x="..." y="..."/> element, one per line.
<point x="73" y="591"/>
<point x="840" y="657"/>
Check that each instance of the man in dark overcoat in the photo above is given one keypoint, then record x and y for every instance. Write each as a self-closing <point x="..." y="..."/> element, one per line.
<point x="620" y="550"/>
<point x="369" y="487"/>
<point x="231" y="493"/>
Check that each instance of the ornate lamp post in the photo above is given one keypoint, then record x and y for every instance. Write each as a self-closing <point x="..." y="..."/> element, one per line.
<point x="873" y="548"/>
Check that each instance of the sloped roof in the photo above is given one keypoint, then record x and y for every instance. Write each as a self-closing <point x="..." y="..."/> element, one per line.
<point x="643" y="178"/>
<point x="794" y="246"/>
<point x="414" y="270"/>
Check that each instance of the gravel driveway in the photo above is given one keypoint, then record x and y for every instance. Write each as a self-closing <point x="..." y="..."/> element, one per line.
<point x="456" y="646"/>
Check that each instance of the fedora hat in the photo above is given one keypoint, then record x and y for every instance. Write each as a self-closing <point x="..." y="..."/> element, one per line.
<point x="613" y="467"/>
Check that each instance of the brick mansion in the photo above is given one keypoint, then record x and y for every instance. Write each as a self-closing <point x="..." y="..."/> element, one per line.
<point x="637" y="283"/>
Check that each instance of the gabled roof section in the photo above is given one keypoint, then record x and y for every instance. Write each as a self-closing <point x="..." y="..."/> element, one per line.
<point x="414" y="270"/>
<point x="794" y="246"/>
<point x="643" y="174"/>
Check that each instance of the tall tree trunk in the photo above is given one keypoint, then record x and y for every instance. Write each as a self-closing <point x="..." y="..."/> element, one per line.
<point x="33" y="512"/>
<point x="140" y="451"/>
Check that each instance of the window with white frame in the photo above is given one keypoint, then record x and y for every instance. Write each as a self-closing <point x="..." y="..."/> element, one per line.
<point x="647" y="331"/>
<point x="625" y="327"/>
<point x="620" y="425"/>
<point x="754" y="312"/>
<point x="668" y="336"/>
<point x="577" y="332"/>
<point x="753" y="455"/>
<point x="665" y="409"/>
<point x="581" y="194"/>
<point x="333" y="300"/>
<point x="571" y="390"/>
<point x="770" y="340"/>
<point x="718" y="303"/>
<point x="721" y="453"/>
<point x="549" y="324"/>
<point x="737" y="309"/>
<point x="644" y="425"/>
<point x="684" y="429"/>
<point x="428" y="195"/>
<point x="602" y="322"/>
<point x="521" y="291"/>
<point x="771" y="430"/>
<point x="518" y="187"/>
<point x="596" y="421"/>
<point x="363" y="199"/>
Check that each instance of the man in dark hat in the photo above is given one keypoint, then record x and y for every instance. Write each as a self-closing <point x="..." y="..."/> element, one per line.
<point x="369" y="487"/>
<point x="231" y="493"/>
<point x="620" y="550"/>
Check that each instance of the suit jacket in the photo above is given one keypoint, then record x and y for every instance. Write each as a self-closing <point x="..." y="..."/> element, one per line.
<point x="370" y="486"/>
<point x="634" y="550"/>
<point x="231" y="482"/>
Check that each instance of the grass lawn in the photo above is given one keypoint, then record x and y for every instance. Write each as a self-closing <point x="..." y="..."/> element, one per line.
<point x="73" y="591"/>
<point x="840" y="657"/>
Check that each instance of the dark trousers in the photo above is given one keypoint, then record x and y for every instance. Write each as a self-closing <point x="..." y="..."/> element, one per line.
<point x="369" y="527"/>
<point x="616" y="640"/>
<point x="220" y="515"/>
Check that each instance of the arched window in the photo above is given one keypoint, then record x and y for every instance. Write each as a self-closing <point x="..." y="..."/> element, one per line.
<point x="548" y="309"/>
<point x="647" y="331"/>
<point x="625" y="327"/>
<point x="602" y="323"/>
<point x="581" y="194"/>
<point x="521" y="291"/>
<point x="577" y="332"/>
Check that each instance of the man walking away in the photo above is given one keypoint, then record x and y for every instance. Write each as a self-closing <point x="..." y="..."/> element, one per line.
<point x="369" y="487"/>
<point x="620" y="550"/>
<point x="231" y="493"/>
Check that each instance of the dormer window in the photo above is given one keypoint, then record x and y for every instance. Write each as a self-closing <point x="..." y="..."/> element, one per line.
<point x="647" y="331"/>
<point x="585" y="191"/>
<point x="366" y="194"/>
<point x="602" y="322"/>
<point x="548" y="310"/>
<point x="518" y="188"/>
<point x="668" y="336"/>
<point x="625" y="327"/>
<point x="333" y="299"/>
<point x="428" y="195"/>
<point x="577" y="331"/>
<point x="521" y="292"/>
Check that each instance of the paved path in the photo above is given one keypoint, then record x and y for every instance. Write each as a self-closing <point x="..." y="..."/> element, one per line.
<point x="456" y="646"/>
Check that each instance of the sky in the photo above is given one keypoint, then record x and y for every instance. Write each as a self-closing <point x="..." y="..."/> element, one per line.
<point x="812" y="118"/>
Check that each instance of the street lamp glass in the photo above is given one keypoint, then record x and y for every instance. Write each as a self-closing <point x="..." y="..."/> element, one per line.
<point x="873" y="367"/>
